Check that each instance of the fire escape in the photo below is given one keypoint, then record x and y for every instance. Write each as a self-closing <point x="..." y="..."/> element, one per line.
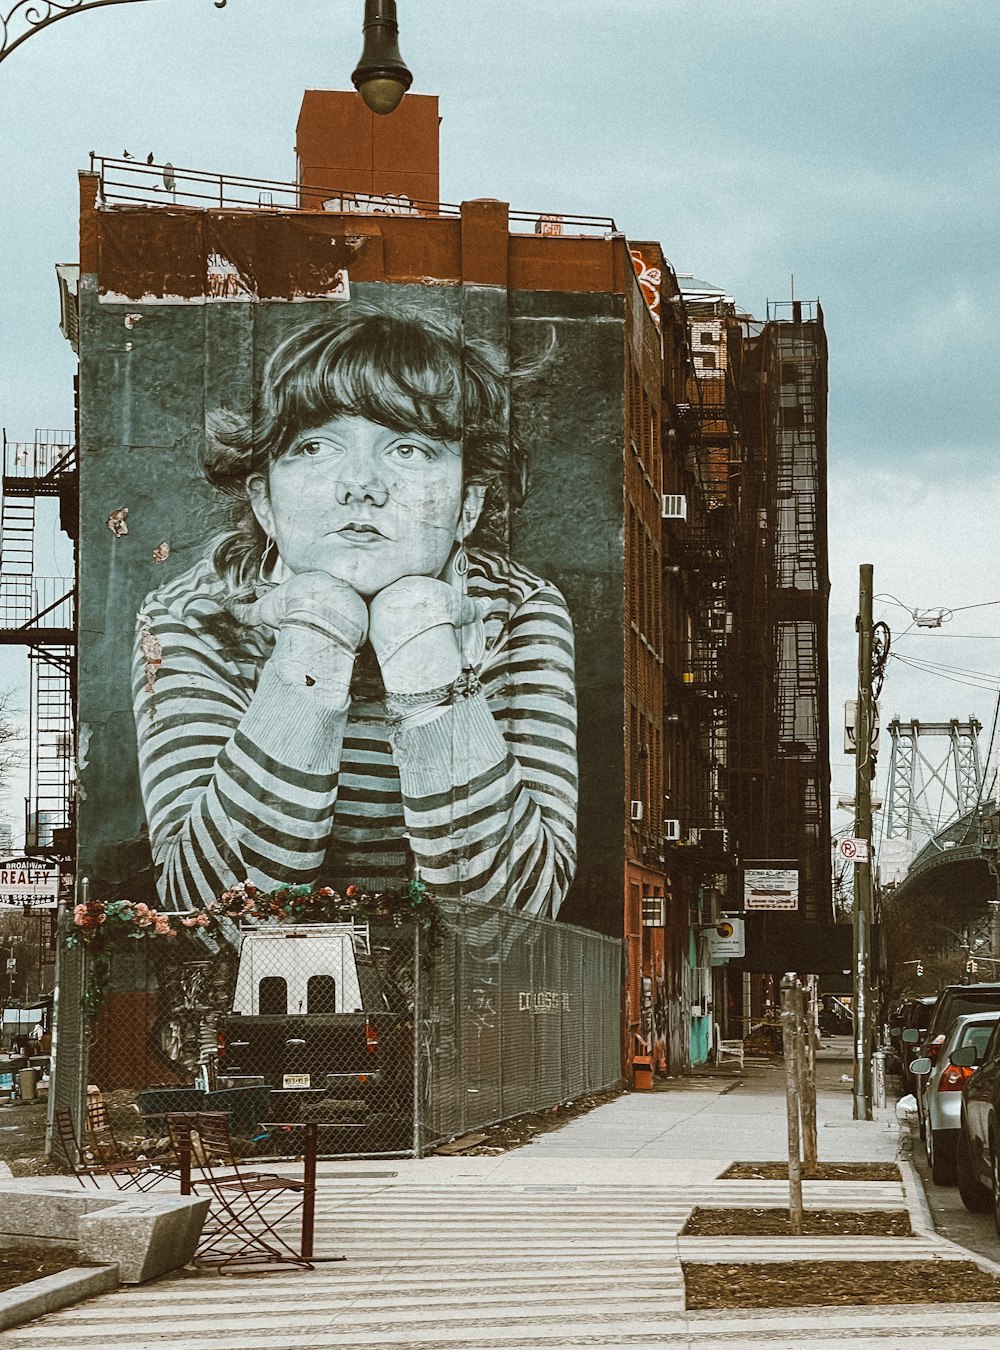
<point x="695" y="692"/>
<point x="780" y="761"/>
<point x="709" y="437"/>
<point x="38" y="612"/>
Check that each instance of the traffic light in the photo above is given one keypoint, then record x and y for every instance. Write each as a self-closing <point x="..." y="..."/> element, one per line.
<point x="971" y="967"/>
<point x="920" y="969"/>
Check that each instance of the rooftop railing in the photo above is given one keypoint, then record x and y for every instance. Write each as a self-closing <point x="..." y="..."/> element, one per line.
<point x="129" y="181"/>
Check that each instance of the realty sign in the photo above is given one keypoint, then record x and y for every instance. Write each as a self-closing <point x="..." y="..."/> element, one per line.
<point x="770" y="886"/>
<point x="31" y="882"/>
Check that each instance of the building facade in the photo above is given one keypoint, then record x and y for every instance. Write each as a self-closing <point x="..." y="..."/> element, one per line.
<point x="643" y="664"/>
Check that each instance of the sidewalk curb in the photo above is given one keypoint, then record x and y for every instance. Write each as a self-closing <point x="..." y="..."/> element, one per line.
<point x="53" y="1292"/>
<point x="921" y="1218"/>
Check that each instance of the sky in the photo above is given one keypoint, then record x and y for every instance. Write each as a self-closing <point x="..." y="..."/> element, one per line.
<point x="851" y="147"/>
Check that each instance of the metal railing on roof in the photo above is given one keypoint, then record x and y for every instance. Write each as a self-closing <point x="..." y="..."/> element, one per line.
<point x="792" y="311"/>
<point x="129" y="181"/>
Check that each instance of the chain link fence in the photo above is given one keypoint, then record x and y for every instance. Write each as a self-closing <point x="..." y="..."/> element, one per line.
<point x="391" y="1036"/>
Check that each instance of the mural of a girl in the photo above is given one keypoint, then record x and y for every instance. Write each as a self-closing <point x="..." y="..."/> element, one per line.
<point x="358" y="683"/>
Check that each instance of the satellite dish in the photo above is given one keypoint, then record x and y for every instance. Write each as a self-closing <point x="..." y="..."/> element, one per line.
<point x="169" y="178"/>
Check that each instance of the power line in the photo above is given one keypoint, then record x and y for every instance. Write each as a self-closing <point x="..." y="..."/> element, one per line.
<point x="945" y="609"/>
<point x="954" y="679"/>
<point x="940" y="665"/>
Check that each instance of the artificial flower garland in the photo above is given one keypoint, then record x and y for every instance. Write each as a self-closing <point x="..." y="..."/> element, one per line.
<point x="103" y="926"/>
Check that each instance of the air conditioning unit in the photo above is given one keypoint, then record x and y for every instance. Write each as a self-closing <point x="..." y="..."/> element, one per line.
<point x="671" y="831"/>
<point x="674" y="506"/>
<point x="635" y="811"/>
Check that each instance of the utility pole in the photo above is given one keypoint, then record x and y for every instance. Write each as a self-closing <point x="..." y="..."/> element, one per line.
<point x="863" y="905"/>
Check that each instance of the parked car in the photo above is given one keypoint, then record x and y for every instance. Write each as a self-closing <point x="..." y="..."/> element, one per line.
<point x="912" y="1015"/>
<point x="954" y="1001"/>
<point x="312" y="1021"/>
<point x="977" y="1157"/>
<point x="942" y="1090"/>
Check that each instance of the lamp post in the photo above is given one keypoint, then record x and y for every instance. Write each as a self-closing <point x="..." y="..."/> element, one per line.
<point x="381" y="76"/>
<point x="863" y="915"/>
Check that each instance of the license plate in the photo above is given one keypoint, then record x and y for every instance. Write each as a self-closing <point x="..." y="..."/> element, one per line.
<point x="295" y="1080"/>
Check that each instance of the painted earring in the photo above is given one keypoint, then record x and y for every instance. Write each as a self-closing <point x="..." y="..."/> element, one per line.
<point x="267" y="559"/>
<point x="460" y="562"/>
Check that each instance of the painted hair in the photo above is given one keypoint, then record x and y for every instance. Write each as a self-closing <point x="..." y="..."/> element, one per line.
<point x="404" y="372"/>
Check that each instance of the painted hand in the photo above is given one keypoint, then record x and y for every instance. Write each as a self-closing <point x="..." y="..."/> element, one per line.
<point x="415" y="628"/>
<point x="321" y="623"/>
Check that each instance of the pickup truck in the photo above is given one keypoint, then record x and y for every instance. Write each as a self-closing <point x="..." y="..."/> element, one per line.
<point x="311" y="1021"/>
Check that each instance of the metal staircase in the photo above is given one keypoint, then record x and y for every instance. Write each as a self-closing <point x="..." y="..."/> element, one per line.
<point x="17" y="559"/>
<point x="38" y="613"/>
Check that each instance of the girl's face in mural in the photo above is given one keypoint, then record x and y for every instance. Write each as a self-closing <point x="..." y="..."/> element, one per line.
<point x="365" y="503"/>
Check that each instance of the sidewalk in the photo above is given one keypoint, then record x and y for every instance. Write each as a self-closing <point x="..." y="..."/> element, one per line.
<point x="573" y="1240"/>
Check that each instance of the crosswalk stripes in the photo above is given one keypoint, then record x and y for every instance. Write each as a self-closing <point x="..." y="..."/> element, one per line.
<point x="481" y="1265"/>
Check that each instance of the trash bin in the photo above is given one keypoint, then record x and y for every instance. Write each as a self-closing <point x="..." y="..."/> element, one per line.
<point x="642" y="1072"/>
<point x="27" y="1084"/>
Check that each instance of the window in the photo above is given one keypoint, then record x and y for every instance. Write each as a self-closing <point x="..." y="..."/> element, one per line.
<point x="707" y="339"/>
<point x="707" y="359"/>
<point x="272" y="996"/>
<point x="321" y="994"/>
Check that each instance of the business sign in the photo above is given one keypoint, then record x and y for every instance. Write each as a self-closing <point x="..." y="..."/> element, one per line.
<point x="771" y="888"/>
<point x="853" y="850"/>
<point x="28" y="881"/>
<point x="726" y="939"/>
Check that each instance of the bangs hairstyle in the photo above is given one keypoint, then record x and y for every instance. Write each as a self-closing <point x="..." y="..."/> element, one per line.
<point x="407" y="373"/>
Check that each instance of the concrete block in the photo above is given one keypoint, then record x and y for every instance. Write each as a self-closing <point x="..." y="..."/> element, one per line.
<point x="55" y="1215"/>
<point x="146" y="1236"/>
<point x="32" y="1300"/>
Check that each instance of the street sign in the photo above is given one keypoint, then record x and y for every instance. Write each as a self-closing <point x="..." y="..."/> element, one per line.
<point x="770" y="887"/>
<point x="31" y="882"/>
<point x="727" y="938"/>
<point x="854" y="850"/>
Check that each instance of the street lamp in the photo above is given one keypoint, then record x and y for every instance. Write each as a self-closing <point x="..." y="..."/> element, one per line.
<point x="39" y="14"/>
<point x="381" y="77"/>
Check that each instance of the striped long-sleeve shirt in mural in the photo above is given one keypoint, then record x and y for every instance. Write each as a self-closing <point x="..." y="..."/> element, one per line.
<point x="244" y="777"/>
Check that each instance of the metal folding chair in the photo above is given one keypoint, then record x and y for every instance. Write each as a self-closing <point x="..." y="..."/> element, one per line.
<point x="251" y="1211"/>
<point x="99" y="1153"/>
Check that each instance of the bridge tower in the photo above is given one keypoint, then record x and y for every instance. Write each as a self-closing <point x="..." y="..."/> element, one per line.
<point x="935" y="776"/>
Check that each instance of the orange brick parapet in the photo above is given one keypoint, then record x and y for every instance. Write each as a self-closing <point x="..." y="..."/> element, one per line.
<point x="150" y="252"/>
